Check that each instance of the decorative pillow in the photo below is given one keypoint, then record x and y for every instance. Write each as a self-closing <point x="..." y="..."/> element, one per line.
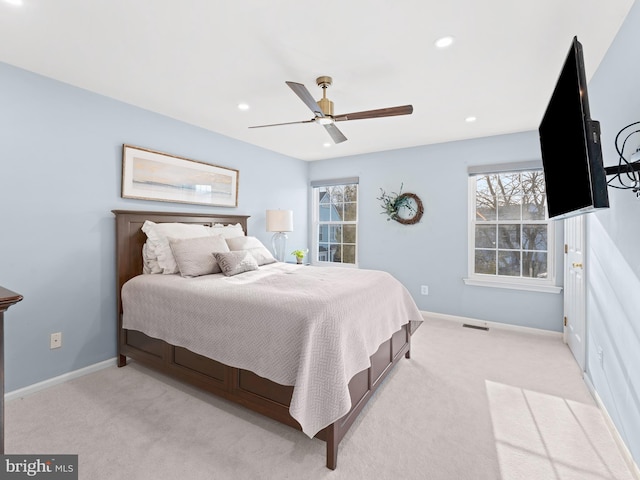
<point x="228" y="231"/>
<point x="193" y="255"/>
<point x="233" y="263"/>
<point x="254" y="246"/>
<point x="157" y="245"/>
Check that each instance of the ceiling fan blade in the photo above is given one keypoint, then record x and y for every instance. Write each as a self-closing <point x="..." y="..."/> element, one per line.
<point x="286" y="123"/>
<point x="379" y="113"/>
<point x="336" y="134"/>
<point x="302" y="92"/>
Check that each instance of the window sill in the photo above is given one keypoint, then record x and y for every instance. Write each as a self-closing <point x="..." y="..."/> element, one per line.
<point x="543" y="288"/>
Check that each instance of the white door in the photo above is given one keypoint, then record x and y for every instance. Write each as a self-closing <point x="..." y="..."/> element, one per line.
<point x="574" y="287"/>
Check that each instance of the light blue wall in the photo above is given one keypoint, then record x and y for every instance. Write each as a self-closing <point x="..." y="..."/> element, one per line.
<point x="613" y="241"/>
<point x="60" y="170"/>
<point x="433" y="252"/>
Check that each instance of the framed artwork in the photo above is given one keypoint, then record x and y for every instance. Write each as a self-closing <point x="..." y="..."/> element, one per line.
<point x="151" y="175"/>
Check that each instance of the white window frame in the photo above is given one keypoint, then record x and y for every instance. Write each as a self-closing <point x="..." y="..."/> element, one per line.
<point x="315" y="220"/>
<point x="547" y="285"/>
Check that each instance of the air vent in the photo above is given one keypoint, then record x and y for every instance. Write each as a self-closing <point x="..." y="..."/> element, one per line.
<point x="477" y="327"/>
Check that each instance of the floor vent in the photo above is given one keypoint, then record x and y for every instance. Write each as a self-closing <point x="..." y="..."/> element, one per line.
<point x="477" y="327"/>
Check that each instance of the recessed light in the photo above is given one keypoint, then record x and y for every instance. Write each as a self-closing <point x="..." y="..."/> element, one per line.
<point x="470" y="119"/>
<point x="14" y="2"/>
<point x="444" y="42"/>
<point x="243" y="106"/>
<point x="326" y="144"/>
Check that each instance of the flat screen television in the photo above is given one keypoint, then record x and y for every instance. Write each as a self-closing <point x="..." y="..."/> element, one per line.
<point x="574" y="173"/>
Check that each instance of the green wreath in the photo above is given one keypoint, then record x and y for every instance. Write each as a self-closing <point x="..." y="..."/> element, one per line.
<point x="393" y="203"/>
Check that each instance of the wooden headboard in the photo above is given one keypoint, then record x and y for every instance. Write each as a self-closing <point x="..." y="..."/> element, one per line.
<point x="130" y="238"/>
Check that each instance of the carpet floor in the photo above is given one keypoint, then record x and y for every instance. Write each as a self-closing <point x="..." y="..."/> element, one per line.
<point x="469" y="404"/>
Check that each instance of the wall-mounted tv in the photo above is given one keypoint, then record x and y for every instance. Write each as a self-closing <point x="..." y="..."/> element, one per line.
<point x="574" y="174"/>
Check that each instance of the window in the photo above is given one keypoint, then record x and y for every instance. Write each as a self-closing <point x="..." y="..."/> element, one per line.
<point x="511" y="237"/>
<point x="335" y="221"/>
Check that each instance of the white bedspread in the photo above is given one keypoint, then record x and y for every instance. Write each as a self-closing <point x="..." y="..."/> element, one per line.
<point x="310" y="327"/>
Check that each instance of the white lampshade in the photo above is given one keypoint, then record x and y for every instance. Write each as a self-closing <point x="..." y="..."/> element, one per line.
<point x="279" y="220"/>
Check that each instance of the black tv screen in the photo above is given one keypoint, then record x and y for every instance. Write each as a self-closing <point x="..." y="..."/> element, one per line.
<point x="575" y="178"/>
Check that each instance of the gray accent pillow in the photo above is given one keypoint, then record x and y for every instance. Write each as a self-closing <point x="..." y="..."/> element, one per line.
<point x="193" y="255"/>
<point x="233" y="263"/>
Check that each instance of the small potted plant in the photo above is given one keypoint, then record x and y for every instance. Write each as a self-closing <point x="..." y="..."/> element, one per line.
<point x="299" y="254"/>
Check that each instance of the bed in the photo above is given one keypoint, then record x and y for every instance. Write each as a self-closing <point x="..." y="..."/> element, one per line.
<point x="313" y="374"/>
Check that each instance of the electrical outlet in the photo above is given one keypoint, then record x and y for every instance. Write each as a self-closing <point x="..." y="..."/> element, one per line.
<point x="424" y="289"/>
<point x="56" y="340"/>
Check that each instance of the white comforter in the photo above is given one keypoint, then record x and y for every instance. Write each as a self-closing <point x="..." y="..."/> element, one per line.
<point x="310" y="327"/>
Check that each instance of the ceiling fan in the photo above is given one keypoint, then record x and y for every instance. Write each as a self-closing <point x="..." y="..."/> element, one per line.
<point x="323" y="110"/>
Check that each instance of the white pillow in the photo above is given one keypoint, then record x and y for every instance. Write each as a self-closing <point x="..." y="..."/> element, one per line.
<point x="149" y="260"/>
<point x="194" y="255"/>
<point x="228" y="231"/>
<point x="254" y="246"/>
<point x="157" y="244"/>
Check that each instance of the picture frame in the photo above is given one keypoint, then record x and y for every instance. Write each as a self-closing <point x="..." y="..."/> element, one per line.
<point x="152" y="175"/>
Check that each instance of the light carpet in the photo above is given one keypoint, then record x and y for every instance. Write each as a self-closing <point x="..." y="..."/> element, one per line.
<point x="469" y="404"/>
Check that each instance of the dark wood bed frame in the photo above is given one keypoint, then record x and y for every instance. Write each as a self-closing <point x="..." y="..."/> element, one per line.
<point x="240" y="386"/>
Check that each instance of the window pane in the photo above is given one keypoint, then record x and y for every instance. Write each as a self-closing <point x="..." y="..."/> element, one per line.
<point x="485" y="198"/>
<point x="486" y="236"/>
<point x="335" y="253"/>
<point x="335" y="233"/>
<point x="534" y="198"/>
<point x="349" y="233"/>
<point x="485" y="262"/>
<point x="323" y="212"/>
<point x="348" y="253"/>
<point x="337" y="212"/>
<point x="534" y="264"/>
<point x="323" y="252"/>
<point x="509" y="237"/>
<point x="509" y="263"/>
<point x="509" y="193"/>
<point x="323" y="233"/>
<point x="350" y="212"/>
<point x="509" y="208"/>
<point x="351" y="193"/>
<point x="323" y="195"/>
<point x="534" y="211"/>
<point x="337" y="194"/>
<point x="534" y="236"/>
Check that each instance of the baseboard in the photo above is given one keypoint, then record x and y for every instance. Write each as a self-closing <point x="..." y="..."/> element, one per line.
<point x="483" y="323"/>
<point x="36" y="387"/>
<point x="624" y="451"/>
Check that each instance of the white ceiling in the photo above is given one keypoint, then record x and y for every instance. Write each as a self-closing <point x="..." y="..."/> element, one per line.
<point x="195" y="60"/>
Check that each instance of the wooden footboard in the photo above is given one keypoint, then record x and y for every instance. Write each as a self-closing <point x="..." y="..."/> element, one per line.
<point x="257" y="393"/>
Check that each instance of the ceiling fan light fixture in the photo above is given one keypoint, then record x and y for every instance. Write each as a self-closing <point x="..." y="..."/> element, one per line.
<point x="324" y="120"/>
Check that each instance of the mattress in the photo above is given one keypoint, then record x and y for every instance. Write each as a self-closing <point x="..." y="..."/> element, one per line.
<point x="309" y="327"/>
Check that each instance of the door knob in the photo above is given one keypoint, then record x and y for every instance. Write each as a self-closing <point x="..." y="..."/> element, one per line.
<point x="577" y="265"/>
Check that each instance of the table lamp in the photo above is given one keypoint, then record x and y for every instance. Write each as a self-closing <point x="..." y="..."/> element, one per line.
<point x="279" y="221"/>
